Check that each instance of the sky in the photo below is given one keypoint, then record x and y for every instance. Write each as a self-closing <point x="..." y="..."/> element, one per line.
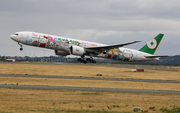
<point x="102" y="21"/>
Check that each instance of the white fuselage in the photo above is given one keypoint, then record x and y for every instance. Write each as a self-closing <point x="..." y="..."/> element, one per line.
<point x="62" y="46"/>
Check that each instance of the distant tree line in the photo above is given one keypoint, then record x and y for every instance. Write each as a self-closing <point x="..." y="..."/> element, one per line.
<point x="173" y="60"/>
<point x="3" y="58"/>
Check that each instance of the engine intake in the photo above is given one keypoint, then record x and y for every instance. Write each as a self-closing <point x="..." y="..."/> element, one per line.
<point x="61" y="53"/>
<point x="76" y="50"/>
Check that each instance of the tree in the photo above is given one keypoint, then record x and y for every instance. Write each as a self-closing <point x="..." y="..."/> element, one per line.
<point x="3" y="58"/>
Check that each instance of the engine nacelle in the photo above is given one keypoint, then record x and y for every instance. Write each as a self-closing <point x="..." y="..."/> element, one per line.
<point x="61" y="53"/>
<point x="76" y="50"/>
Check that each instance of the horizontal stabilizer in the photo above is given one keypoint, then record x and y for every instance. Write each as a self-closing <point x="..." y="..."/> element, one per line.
<point x="155" y="56"/>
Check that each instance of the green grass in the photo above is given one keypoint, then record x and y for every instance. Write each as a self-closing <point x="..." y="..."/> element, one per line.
<point x="91" y="94"/>
<point x="175" y="109"/>
<point x="5" y="112"/>
<point x="65" y="102"/>
<point x="116" y="106"/>
<point x="91" y="106"/>
<point x="92" y="111"/>
<point x="60" y="110"/>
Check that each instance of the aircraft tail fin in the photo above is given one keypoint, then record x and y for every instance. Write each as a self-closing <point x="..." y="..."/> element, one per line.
<point x="152" y="45"/>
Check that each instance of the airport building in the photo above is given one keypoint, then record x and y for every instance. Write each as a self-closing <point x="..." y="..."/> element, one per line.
<point x="10" y="60"/>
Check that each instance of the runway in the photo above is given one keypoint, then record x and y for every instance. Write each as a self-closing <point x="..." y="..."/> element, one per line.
<point x="86" y="78"/>
<point x="90" y="89"/>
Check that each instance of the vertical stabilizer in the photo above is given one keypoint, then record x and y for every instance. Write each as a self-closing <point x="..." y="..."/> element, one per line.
<point x="152" y="45"/>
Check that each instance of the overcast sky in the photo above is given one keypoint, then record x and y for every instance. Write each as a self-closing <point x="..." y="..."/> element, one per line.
<point x="102" y="21"/>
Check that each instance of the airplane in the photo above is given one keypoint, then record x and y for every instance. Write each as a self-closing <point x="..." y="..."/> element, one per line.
<point x="67" y="46"/>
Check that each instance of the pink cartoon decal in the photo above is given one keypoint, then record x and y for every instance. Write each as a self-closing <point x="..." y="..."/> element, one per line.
<point x="50" y="42"/>
<point x="34" y="34"/>
<point x="35" y="43"/>
<point x="63" y="42"/>
<point x="63" y="45"/>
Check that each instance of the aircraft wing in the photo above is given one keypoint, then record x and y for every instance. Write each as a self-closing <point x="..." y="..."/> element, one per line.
<point x="99" y="49"/>
<point x="155" y="56"/>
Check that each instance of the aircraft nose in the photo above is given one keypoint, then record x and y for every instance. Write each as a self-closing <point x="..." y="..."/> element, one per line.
<point x="14" y="37"/>
<point x="11" y="36"/>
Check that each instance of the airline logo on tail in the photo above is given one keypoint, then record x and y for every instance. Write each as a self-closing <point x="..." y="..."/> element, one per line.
<point x="152" y="44"/>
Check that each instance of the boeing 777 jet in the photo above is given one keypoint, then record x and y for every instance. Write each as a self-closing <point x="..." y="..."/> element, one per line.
<point x="66" y="46"/>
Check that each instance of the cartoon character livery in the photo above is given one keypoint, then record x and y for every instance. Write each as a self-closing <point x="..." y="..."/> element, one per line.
<point x="66" y="46"/>
<point x="50" y="42"/>
<point x="109" y="53"/>
<point x="120" y="56"/>
<point x="115" y="53"/>
<point x="42" y="40"/>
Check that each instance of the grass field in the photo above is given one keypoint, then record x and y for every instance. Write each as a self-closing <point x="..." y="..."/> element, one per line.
<point x="87" y="71"/>
<point x="61" y="101"/>
<point x="28" y="100"/>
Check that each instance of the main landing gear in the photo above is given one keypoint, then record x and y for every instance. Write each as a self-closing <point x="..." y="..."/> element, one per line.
<point x="83" y="60"/>
<point x="21" y="47"/>
<point x="91" y="60"/>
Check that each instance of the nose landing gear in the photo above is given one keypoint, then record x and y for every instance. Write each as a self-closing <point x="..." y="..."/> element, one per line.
<point x="21" y="49"/>
<point x="20" y="46"/>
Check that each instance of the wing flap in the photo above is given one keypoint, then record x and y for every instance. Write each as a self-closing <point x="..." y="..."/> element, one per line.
<point x="106" y="48"/>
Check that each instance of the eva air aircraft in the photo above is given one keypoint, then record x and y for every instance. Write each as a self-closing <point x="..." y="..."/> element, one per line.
<point x="66" y="46"/>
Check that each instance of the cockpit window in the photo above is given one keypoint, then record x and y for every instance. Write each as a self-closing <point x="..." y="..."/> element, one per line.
<point x="15" y="34"/>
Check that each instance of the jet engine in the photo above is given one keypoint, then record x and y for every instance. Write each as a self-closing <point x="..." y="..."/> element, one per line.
<point x="61" y="53"/>
<point x="76" y="50"/>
